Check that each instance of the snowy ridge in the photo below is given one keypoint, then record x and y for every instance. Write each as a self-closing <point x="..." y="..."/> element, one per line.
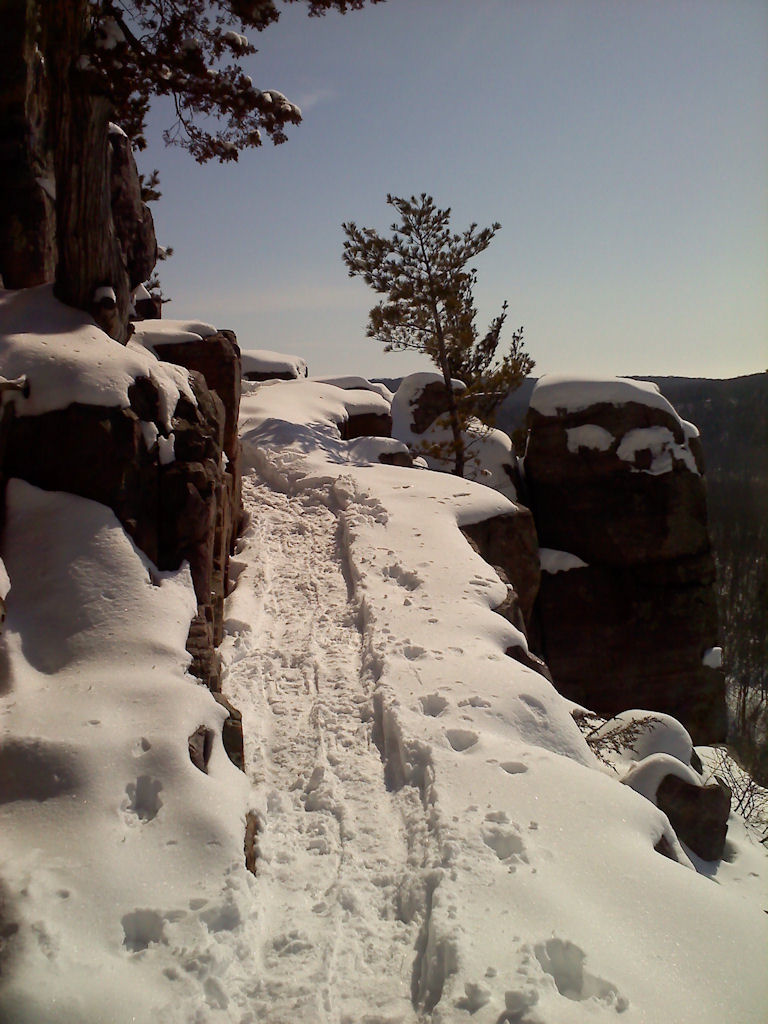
<point x="481" y="759"/>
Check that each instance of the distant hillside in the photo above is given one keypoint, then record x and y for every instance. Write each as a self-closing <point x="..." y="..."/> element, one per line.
<point x="732" y="416"/>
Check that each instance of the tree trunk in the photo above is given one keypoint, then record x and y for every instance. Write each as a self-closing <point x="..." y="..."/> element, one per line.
<point x="453" y="418"/>
<point x="90" y="256"/>
<point x="453" y="411"/>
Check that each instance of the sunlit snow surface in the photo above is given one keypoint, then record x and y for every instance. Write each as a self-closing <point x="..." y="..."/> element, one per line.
<point x="556" y="393"/>
<point x="264" y="361"/>
<point x="487" y="869"/>
<point x="67" y="358"/>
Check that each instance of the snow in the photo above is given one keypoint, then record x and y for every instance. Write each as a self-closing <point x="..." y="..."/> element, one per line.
<point x="166" y="449"/>
<point x="47" y="183"/>
<point x="148" y="333"/>
<point x="645" y="777"/>
<point x="105" y="293"/>
<point x="261" y="360"/>
<point x="237" y="40"/>
<point x="553" y="561"/>
<point x="109" y="34"/>
<point x="362" y="401"/>
<point x="713" y="657"/>
<point x="67" y="358"/>
<point x="662" y="734"/>
<point x="115" y="129"/>
<point x="664" y="449"/>
<point x="690" y="429"/>
<point x="589" y="435"/>
<point x="357" y="383"/>
<point x="484" y="855"/>
<point x="5" y="581"/>
<point x="556" y="393"/>
<point x="436" y="841"/>
<point x="120" y="860"/>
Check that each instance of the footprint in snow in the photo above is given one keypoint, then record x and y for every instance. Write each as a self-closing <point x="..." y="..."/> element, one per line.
<point x="291" y="943"/>
<point x="474" y="702"/>
<point x="406" y="579"/>
<point x="505" y="843"/>
<point x="412" y="652"/>
<point x="142" y="927"/>
<point x="564" y="962"/>
<point x="144" y="800"/>
<point x="433" y="704"/>
<point x="461" y="739"/>
<point x="534" y="705"/>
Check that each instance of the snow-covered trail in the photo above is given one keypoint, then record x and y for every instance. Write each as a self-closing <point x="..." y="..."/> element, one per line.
<point x="339" y="856"/>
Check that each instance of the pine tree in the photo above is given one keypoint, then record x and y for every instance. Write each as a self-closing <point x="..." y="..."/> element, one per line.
<point x="106" y="60"/>
<point x="422" y="269"/>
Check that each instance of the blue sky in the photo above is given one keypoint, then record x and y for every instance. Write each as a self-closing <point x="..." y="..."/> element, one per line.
<point x="622" y="144"/>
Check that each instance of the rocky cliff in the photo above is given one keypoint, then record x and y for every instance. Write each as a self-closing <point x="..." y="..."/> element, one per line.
<point x="626" y="609"/>
<point x="732" y="417"/>
<point x="156" y="444"/>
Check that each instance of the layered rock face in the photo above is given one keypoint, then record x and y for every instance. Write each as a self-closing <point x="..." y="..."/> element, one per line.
<point x="37" y="228"/>
<point x="615" y="479"/>
<point x="134" y="226"/>
<point x="27" y="193"/>
<point x="217" y="359"/>
<point x="508" y="542"/>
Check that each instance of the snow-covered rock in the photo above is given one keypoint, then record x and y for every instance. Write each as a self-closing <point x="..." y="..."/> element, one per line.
<point x="419" y="419"/>
<point x="262" y="364"/>
<point x="614" y="480"/>
<point x="116" y="425"/>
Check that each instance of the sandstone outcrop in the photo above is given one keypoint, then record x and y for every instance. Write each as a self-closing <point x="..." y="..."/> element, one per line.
<point x="217" y="358"/>
<point x="420" y="420"/>
<point x="70" y="202"/>
<point x="134" y="226"/>
<point x="176" y="492"/>
<point x="509" y="542"/>
<point x="27" y="192"/>
<point x="261" y="365"/>
<point x="366" y="424"/>
<point x="698" y="814"/>
<point x="215" y="523"/>
<point x="614" y="478"/>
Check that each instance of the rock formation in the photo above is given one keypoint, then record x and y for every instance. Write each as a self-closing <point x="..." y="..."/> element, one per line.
<point x="133" y="221"/>
<point x="615" y="479"/>
<point x="366" y="424"/>
<point x="698" y="814"/>
<point x="508" y="542"/>
<point x="101" y="246"/>
<point x="214" y="522"/>
<point x="27" y="191"/>
<point x="164" y="457"/>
